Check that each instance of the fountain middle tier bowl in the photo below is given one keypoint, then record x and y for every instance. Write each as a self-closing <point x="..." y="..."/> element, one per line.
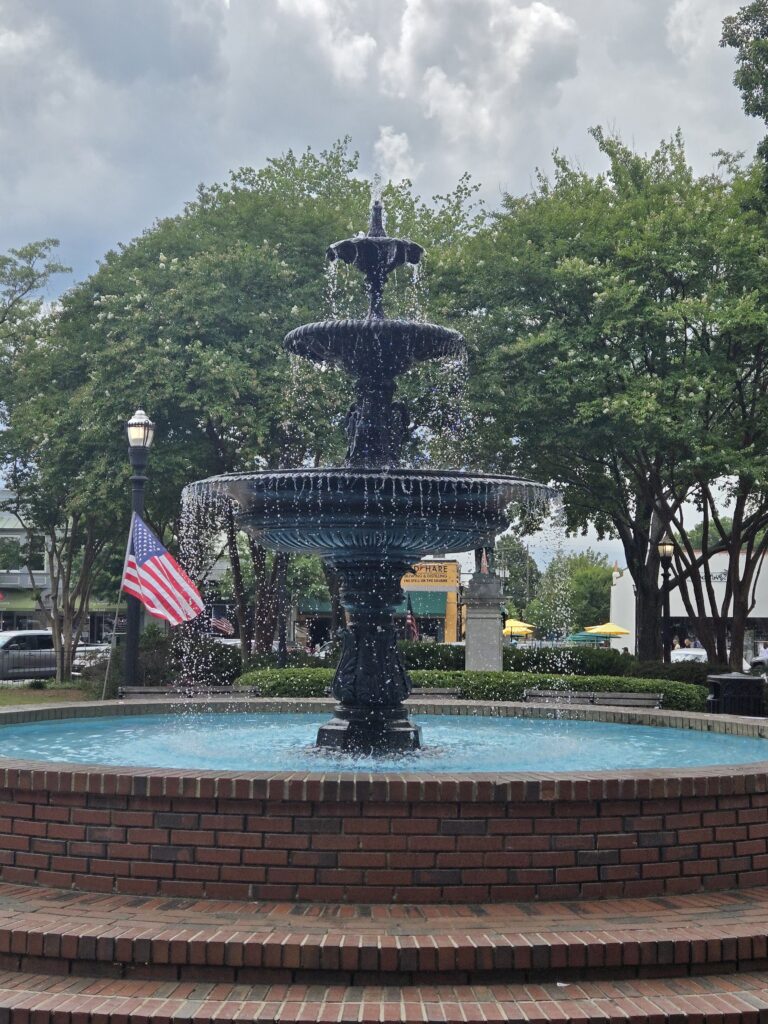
<point x="372" y="514"/>
<point x="374" y="347"/>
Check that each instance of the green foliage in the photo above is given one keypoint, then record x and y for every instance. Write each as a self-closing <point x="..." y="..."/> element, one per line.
<point x="10" y="553"/>
<point x="573" y="592"/>
<point x="747" y="32"/>
<point x="169" y="658"/>
<point x="300" y="683"/>
<point x="683" y="671"/>
<point x="288" y="682"/>
<point x="294" y="659"/>
<point x="567" y="661"/>
<point x="620" y="326"/>
<point x="431" y="656"/>
<point x="510" y="686"/>
<point x="518" y="571"/>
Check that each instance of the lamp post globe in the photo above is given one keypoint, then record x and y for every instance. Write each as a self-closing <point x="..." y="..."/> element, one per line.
<point x="140" y="431"/>
<point x="666" y="549"/>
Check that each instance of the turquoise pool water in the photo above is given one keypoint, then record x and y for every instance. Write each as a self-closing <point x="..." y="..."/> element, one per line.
<point x="452" y="743"/>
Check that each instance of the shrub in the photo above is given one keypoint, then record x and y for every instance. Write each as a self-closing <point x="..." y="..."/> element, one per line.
<point x="165" y="659"/>
<point x="294" y="659"/>
<point x="36" y="684"/>
<point x="577" y="661"/>
<point x="431" y="656"/>
<point x="681" y="671"/>
<point x="510" y="686"/>
<point x="479" y="685"/>
<point x="288" y="682"/>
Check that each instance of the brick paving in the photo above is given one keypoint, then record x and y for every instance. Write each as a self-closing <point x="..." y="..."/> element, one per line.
<point x="38" y="999"/>
<point x="114" y="935"/>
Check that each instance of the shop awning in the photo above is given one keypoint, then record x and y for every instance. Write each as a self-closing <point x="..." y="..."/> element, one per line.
<point x="18" y="601"/>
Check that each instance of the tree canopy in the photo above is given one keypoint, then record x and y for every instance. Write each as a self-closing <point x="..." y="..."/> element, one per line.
<point x="619" y="324"/>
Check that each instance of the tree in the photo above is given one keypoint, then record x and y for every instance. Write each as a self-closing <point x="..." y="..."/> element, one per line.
<point x="619" y="322"/>
<point x="590" y="578"/>
<point x="574" y="592"/>
<point x="187" y="320"/>
<point x="747" y="32"/>
<point x="518" y="570"/>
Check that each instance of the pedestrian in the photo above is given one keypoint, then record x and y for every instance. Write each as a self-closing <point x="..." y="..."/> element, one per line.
<point x="697" y="643"/>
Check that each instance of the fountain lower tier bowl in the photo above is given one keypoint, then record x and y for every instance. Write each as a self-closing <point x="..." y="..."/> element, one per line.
<point x="347" y="514"/>
<point x="374" y="347"/>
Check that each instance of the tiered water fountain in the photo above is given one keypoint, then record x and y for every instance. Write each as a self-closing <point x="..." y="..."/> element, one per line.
<point x="372" y="519"/>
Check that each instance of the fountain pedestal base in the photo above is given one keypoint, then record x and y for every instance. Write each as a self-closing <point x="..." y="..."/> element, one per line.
<point x="370" y="730"/>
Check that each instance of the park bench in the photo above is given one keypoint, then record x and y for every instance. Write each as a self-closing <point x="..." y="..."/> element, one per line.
<point x="434" y="691"/>
<point x="614" y="699"/>
<point x="630" y="700"/>
<point x="130" y="692"/>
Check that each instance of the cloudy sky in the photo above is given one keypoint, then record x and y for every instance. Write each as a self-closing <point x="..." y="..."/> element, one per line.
<point x="112" y="111"/>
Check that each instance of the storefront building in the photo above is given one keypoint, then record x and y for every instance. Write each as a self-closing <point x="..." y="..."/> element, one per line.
<point x="433" y="587"/>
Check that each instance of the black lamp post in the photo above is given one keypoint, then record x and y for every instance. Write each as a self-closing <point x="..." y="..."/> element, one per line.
<point x="140" y="430"/>
<point x="666" y="549"/>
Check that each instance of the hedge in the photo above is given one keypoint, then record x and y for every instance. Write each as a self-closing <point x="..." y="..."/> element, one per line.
<point x="480" y="685"/>
<point x="446" y="657"/>
<point x="681" y="671"/>
<point x="510" y="686"/>
<point x="570" y="661"/>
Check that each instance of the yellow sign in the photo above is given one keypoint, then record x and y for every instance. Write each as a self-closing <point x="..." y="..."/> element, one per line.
<point x="441" y="577"/>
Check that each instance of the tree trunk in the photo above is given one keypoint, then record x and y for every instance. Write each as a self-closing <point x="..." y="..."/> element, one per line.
<point x="334" y="589"/>
<point x="266" y="599"/>
<point x="244" y="620"/>
<point x="648" y="620"/>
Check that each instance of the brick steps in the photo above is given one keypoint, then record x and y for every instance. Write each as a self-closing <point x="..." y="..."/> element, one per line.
<point x="58" y="932"/>
<point x="39" y="999"/>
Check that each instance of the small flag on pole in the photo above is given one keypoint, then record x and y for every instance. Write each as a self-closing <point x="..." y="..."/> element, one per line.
<point x="153" y="575"/>
<point x="411" y="625"/>
<point x="222" y="625"/>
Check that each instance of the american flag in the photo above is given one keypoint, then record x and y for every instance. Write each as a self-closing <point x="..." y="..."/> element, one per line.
<point x="411" y="625"/>
<point x="222" y="625"/>
<point x="154" y="576"/>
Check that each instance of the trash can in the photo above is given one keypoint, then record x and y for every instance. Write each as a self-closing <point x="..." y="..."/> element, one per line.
<point x="734" y="693"/>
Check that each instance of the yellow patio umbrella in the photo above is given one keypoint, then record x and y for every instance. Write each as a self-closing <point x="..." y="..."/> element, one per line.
<point x="607" y="629"/>
<point x="514" y="627"/>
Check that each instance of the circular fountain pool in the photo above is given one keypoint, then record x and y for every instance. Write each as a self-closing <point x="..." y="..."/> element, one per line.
<point x="453" y="824"/>
<point x="283" y="741"/>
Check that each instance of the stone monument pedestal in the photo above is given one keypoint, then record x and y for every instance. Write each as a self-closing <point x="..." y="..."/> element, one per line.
<point x="482" y="631"/>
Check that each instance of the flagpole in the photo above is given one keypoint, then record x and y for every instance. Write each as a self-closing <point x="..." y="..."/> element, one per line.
<point x="117" y="606"/>
<point x="111" y="644"/>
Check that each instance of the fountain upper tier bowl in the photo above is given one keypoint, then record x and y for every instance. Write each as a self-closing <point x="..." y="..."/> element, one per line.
<point x="375" y="346"/>
<point x="372" y="514"/>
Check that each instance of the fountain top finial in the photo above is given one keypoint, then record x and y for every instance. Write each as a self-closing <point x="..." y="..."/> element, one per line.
<point x="376" y="227"/>
<point x="376" y="255"/>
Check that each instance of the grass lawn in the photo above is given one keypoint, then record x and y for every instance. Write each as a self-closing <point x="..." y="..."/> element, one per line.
<point x="14" y="695"/>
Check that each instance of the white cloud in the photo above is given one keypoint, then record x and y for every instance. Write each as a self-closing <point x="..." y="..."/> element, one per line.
<point x="468" y="63"/>
<point x="112" y="112"/>
<point x="348" y="52"/>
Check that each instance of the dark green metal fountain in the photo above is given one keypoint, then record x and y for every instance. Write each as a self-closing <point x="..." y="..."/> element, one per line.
<point x="370" y="519"/>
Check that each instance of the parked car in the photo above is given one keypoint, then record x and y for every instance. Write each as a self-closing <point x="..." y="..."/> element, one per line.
<point x="89" y="654"/>
<point x="689" y="654"/>
<point x="27" y="654"/>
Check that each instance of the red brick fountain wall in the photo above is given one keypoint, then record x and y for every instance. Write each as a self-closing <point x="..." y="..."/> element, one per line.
<point x="384" y="839"/>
